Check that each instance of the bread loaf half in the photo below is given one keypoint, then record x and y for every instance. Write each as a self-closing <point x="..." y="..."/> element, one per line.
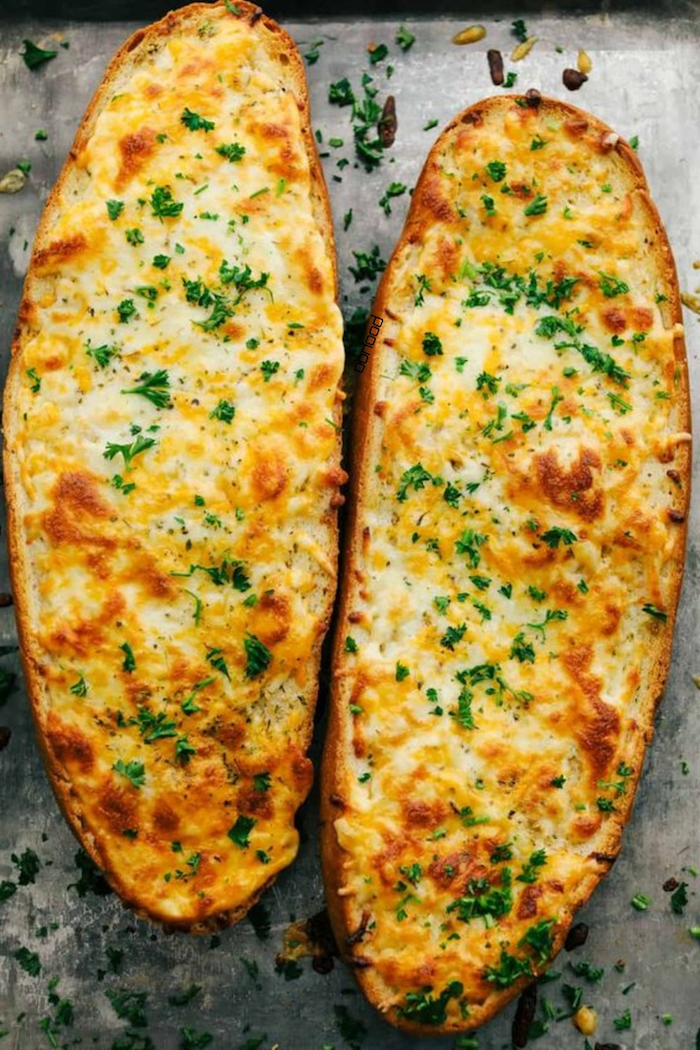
<point x="513" y="561"/>
<point x="172" y="464"/>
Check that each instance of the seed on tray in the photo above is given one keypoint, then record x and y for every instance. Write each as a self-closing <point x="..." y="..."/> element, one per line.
<point x="691" y="301"/>
<point x="524" y="49"/>
<point x="13" y="181"/>
<point x="584" y="62"/>
<point x="586" y="1020"/>
<point x="576" y="937"/>
<point x="387" y="123"/>
<point x="495" y="59"/>
<point x="573" y="78"/>
<point x="524" y="1015"/>
<point x="470" y="35"/>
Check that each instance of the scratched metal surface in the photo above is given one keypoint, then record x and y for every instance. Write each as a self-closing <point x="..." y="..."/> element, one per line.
<point x="644" y="82"/>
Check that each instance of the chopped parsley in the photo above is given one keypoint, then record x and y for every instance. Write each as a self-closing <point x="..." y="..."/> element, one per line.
<point x="496" y="170"/>
<point x="402" y="671"/>
<point x="129" y="664"/>
<point x="229" y="571"/>
<point x="129" y="452"/>
<point x="404" y="39"/>
<point x="415" y="370"/>
<point x="369" y="264"/>
<point x="216" y="659"/>
<point x="153" y="727"/>
<point x="240" y="832"/>
<point x="268" y="369"/>
<point x="394" y="189"/>
<point x="195" y="122"/>
<point x="469" y="544"/>
<point x="79" y="688"/>
<point x="28" y="865"/>
<point x="556" y="535"/>
<point x="125" y="310"/>
<point x="610" y="286"/>
<point x="29" y="961"/>
<point x="529" y="874"/>
<point x="679" y="898"/>
<point x="114" y="209"/>
<point x="423" y="287"/>
<point x="262" y="781"/>
<point x="432" y="345"/>
<point x="415" y="477"/>
<point x="551" y="616"/>
<point x="102" y="355"/>
<point x="258" y="656"/>
<point x="452" y="636"/>
<point x="233" y="151"/>
<point x="424" y="1008"/>
<point x="183" y="751"/>
<point x="341" y="93"/>
<point x="484" y="900"/>
<point x="154" y="386"/>
<point x="623" y="1022"/>
<point x="134" y="771"/>
<point x="35" y="56"/>
<point x="539" y="938"/>
<point x="224" y="411"/>
<point x="588" y="970"/>
<point x="522" y="650"/>
<point x="242" y="279"/>
<point x="163" y="205"/>
<point x="509" y="969"/>
<point x="537" y="206"/>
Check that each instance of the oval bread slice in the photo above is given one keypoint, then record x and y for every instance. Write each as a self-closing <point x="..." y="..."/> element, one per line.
<point x="172" y="464"/>
<point x="513" y="561"/>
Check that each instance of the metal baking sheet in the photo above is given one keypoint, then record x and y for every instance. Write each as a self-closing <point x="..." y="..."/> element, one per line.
<point x="644" y="83"/>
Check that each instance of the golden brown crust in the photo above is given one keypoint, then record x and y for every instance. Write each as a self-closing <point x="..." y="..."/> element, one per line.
<point x="48" y="254"/>
<point x="430" y="204"/>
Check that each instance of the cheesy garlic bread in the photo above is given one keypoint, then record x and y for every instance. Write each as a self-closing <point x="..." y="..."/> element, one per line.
<point x="513" y="561"/>
<point x="172" y="460"/>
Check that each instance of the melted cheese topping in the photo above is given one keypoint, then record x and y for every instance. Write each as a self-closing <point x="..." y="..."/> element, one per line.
<point x="514" y="562"/>
<point x="177" y="447"/>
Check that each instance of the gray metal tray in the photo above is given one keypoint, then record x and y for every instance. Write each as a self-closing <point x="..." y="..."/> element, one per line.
<point x="644" y="83"/>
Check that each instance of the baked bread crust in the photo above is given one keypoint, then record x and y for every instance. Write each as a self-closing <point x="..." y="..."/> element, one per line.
<point x="271" y="774"/>
<point x="379" y="860"/>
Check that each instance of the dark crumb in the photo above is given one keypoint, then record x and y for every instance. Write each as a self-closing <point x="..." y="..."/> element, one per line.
<point x="524" y="1015"/>
<point x="5" y="735"/>
<point x="495" y="60"/>
<point x="573" y="79"/>
<point x="670" y="885"/>
<point x="576" y="937"/>
<point x="387" y="124"/>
